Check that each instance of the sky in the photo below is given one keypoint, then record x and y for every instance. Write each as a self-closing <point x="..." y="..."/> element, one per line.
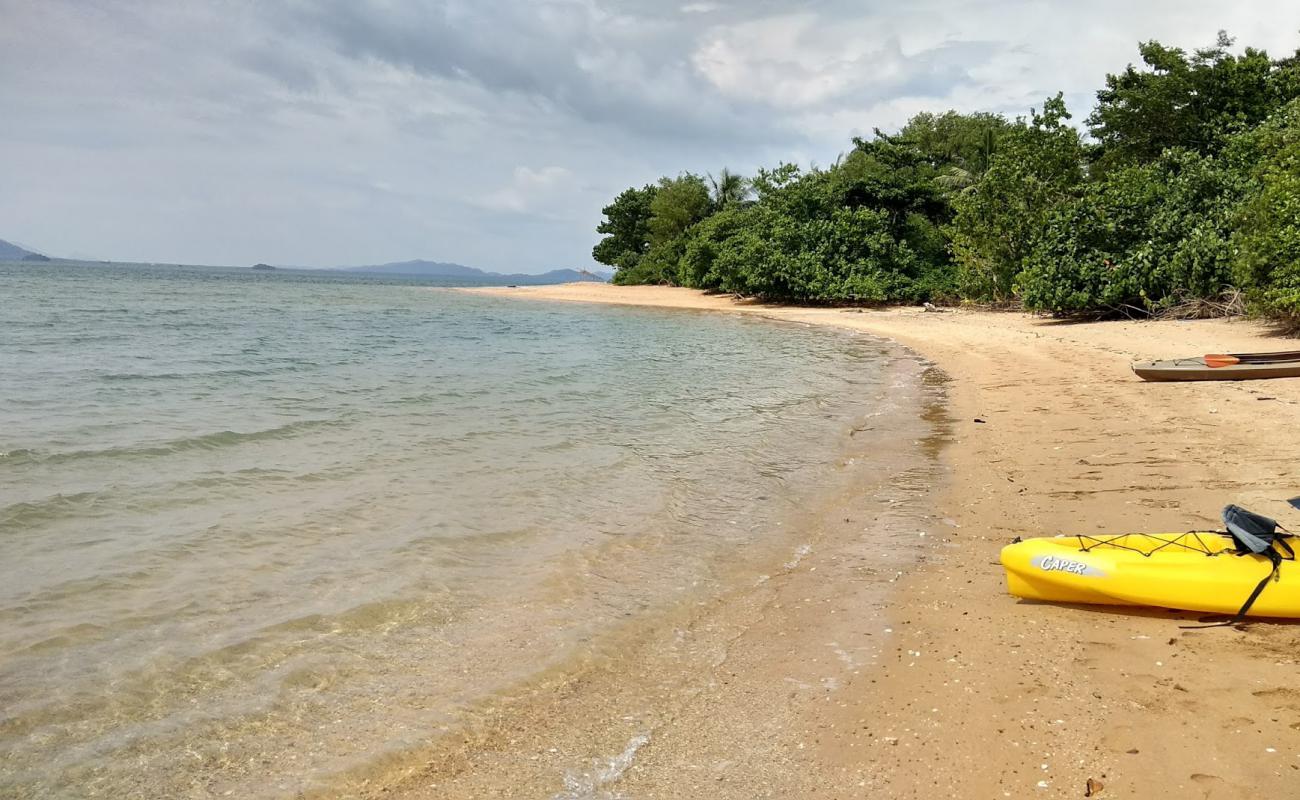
<point x="492" y="132"/>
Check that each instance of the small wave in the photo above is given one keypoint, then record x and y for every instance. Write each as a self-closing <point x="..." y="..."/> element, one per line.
<point x="251" y="476"/>
<point x="82" y="505"/>
<point x="206" y="441"/>
<point x="117" y="377"/>
<point x="28" y="514"/>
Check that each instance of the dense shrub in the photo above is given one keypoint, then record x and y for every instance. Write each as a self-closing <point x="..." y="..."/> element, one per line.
<point x="1141" y="239"/>
<point x="1268" y="221"/>
<point x="815" y="237"/>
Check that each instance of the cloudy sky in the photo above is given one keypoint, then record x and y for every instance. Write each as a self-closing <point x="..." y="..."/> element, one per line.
<point x="491" y="132"/>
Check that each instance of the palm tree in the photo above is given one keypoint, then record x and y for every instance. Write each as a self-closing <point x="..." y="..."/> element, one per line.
<point x="956" y="179"/>
<point x="961" y="175"/>
<point x="729" y="188"/>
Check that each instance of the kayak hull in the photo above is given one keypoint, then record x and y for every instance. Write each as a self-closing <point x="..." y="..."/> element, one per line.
<point x="1191" y="572"/>
<point x="1194" y="369"/>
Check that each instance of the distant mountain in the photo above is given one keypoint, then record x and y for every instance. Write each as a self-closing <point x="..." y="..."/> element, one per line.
<point x="439" y="269"/>
<point x="423" y="269"/>
<point x="12" y="252"/>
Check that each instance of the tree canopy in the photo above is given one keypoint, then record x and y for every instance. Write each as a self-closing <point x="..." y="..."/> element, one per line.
<point x="627" y="230"/>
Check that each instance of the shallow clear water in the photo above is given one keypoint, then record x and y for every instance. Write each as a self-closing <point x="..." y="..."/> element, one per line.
<point x="257" y="529"/>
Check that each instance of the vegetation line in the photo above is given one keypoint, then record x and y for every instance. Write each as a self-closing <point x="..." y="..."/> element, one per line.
<point x="1182" y="198"/>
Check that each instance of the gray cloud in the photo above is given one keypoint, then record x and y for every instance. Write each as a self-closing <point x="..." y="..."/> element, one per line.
<point x="491" y="133"/>
<point x="573" y="59"/>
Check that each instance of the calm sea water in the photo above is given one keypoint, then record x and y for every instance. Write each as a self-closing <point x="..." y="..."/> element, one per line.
<point x="256" y="529"/>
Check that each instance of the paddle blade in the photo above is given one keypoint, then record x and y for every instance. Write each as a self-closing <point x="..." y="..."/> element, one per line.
<point x="1218" y="360"/>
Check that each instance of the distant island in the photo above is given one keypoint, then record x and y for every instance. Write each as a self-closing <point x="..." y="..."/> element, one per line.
<point x="417" y="268"/>
<point x="440" y="269"/>
<point x="12" y="252"/>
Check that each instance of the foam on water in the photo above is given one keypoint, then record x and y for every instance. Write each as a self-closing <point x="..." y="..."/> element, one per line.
<point x="591" y="784"/>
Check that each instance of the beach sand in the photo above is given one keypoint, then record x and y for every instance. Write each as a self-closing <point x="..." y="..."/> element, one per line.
<point x="955" y="689"/>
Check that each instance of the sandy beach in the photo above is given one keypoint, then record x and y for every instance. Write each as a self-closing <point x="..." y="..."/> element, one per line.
<point x="970" y="692"/>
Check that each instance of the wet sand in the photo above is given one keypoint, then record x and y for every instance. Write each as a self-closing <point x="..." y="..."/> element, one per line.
<point x="818" y="683"/>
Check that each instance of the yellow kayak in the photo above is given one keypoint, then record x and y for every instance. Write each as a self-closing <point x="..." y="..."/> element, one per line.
<point x="1190" y="571"/>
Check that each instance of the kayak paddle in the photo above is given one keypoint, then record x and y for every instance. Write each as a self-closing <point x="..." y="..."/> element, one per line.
<point x="1228" y="359"/>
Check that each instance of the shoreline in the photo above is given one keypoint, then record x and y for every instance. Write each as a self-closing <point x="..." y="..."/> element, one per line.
<point x="753" y="656"/>
<point x="986" y="696"/>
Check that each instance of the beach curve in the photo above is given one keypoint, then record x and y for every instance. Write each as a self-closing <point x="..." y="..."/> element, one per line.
<point x="978" y="694"/>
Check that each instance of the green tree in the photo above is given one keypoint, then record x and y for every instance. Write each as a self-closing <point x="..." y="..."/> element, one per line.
<point x="891" y="174"/>
<point x="678" y="204"/>
<point x="1285" y="80"/>
<point x="1178" y="100"/>
<point x="959" y="146"/>
<point x="1037" y="166"/>
<point x="626" y="227"/>
<point x="1268" y="221"/>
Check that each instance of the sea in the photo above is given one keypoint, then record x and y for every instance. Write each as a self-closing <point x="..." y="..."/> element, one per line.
<point x="262" y="529"/>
